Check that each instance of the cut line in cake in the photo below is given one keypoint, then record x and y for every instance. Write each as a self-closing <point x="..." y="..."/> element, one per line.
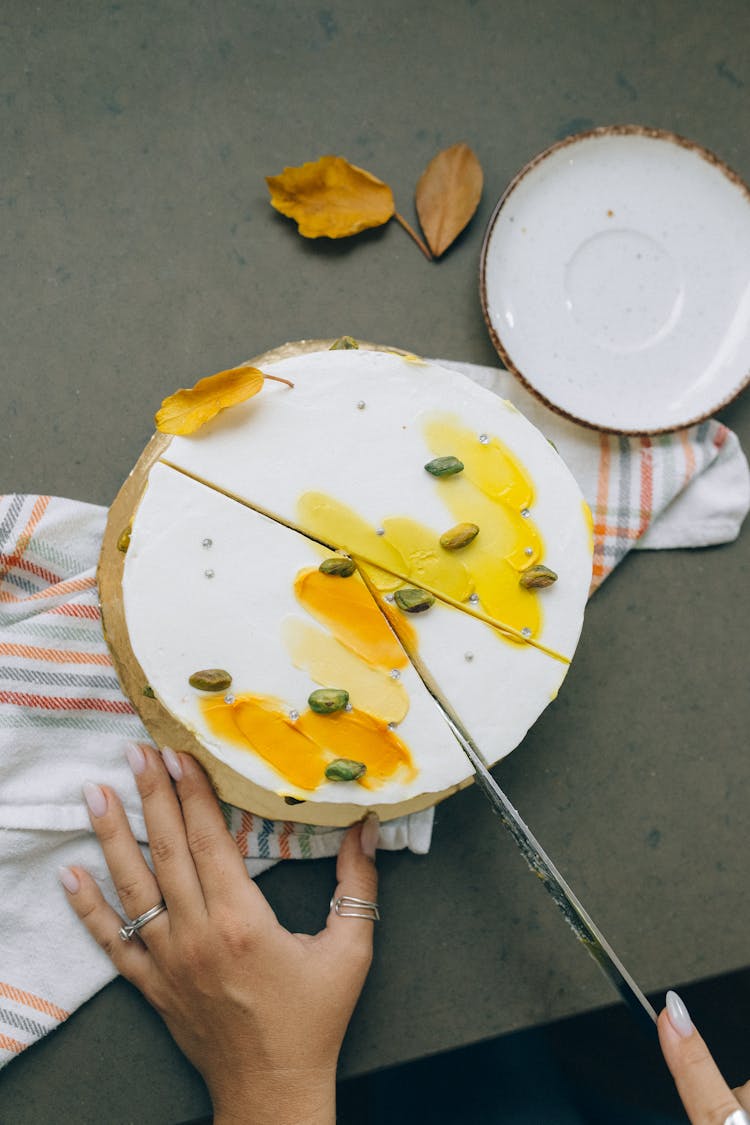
<point x="514" y="634"/>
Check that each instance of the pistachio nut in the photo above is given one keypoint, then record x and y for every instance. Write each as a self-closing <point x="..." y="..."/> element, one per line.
<point x="459" y="536"/>
<point x="294" y="801"/>
<point x="211" y="679"/>
<point x="344" y="769"/>
<point x="325" y="701"/>
<point x="149" y="692"/>
<point x="339" y="566"/>
<point x="537" y="577"/>
<point x="344" y="343"/>
<point x="411" y="600"/>
<point x="444" y="466"/>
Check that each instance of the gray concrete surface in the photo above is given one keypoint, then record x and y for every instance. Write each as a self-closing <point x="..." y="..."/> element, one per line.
<point x="138" y="251"/>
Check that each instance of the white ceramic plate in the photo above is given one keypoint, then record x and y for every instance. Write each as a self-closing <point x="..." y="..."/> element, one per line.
<point x="615" y="280"/>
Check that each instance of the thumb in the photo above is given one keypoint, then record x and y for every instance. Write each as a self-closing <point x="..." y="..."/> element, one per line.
<point x="357" y="878"/>
<point x="704" y="1093"/>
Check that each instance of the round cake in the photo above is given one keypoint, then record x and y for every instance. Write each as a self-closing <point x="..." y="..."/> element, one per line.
<point x="309" y="579"/>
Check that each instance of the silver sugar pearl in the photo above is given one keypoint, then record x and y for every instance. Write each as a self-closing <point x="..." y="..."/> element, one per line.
<point x="528" y="551"/>
<point x="229" y="698"/>
<point x="526" y="632"/>
<point x="474" y="599"/>
<point x="208" y="573"/>
<point x="361" y="404"/>
<point x="389" y="598"/>
<point x="380" y="531"/>
<point x="348" y="707"/>
<point x="484" y="439"/>
<point x="294" y="715"/>
<point x="392" y="726"/>
<point x="395" y="674"/>
<point x="525" y="513"/>
<point x="207" y="543"/>
<point x="468" y="657"/>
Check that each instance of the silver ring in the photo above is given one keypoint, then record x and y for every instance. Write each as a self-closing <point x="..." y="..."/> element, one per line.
<point x="131" y="928"/>
<point x="738" y="1117"/>
<point x="346" y="906"/>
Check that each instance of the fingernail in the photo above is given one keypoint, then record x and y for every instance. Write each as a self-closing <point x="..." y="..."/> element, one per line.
<point x="369" y="835"/>
<point x="679" y="1016"/>
<point x="172" y="762"/>
<point x="96" y="798"/>
<point x="136" y="758"/>
<point x="69" y="879"/>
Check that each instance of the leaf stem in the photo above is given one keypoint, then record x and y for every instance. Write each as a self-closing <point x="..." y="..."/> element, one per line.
<point x="278" y="379"/>
<point x="410" y="231"/>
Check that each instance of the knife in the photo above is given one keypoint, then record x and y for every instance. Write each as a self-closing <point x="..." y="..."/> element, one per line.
<point x="577" y="917"/>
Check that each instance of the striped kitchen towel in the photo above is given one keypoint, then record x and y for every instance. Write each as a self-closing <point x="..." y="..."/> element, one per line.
<point x="64" y="720"/>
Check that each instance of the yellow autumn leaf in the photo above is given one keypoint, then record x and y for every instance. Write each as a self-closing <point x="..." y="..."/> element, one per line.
<point x="332" y="198"/>
<point x="188" y="409"/>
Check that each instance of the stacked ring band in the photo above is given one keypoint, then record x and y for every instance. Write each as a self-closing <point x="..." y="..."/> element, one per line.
<point x="346" y="906"/>
<point x="128" y="931"/>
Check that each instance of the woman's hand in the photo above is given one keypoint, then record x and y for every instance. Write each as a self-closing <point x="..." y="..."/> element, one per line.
<point x="260" y="1012"/>
<point x="705" y="1095"/>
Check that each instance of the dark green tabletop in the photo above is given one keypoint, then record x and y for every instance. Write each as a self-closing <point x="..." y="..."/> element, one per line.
<point x="138" y="251"/>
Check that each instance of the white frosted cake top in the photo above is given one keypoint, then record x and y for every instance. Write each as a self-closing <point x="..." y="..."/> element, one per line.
<point x="340" y="460"/>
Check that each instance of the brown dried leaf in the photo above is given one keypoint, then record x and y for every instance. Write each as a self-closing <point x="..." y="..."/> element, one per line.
<point x="331" y="197"/>
<point x="188" y="409"/>
<point x="447" y="195"/>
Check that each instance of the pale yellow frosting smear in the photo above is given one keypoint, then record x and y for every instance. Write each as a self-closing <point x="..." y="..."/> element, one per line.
<point x="329" y="664"/>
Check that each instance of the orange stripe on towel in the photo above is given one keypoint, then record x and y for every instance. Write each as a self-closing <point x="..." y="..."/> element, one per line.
<point x="689" y="453"/>
<point x="647" y="484"/>
<point x="600" y="510"/>
<point x="55" y="655"/>
<point x="40" y="507"/>
<point x="32" y="1001"/>
<point x="18" y="562"/>
<point x="66" y="703"/>
<point x="72" y="586"/>
<point x="286" y="832"/>
<point x="246" y="826"/>
<point x="8" y="1044"/>
<point x="68" y="609"/>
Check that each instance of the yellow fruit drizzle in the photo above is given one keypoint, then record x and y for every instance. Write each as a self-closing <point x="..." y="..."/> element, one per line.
<point x="300" y="750"/>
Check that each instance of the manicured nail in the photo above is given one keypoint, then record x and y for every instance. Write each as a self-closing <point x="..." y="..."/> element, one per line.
<point x="69" y="879"/>
<point x="172" y="762"/>
<point x="679" y="1016"/>
<point x="96" y="798"/>
<point x="136" y="758"/>
<point x="369" y="835"/>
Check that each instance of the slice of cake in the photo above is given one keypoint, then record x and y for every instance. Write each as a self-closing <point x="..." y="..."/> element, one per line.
<point x="341" y="456"/>
<point x="288" y="675"/>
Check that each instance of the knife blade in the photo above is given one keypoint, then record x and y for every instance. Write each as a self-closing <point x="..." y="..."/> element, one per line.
<point x="577" y="917"/>
<point x="575" y="914"/>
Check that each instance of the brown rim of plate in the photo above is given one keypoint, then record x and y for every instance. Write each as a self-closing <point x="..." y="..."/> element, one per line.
<point x="163" y="727"/>
<point x="600" y="131"/>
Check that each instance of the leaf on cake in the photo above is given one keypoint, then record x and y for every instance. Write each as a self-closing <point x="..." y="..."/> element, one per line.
<point x="447" y="195"/>
<point x="331" y="198"/>
<point x="188" y="409"/>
